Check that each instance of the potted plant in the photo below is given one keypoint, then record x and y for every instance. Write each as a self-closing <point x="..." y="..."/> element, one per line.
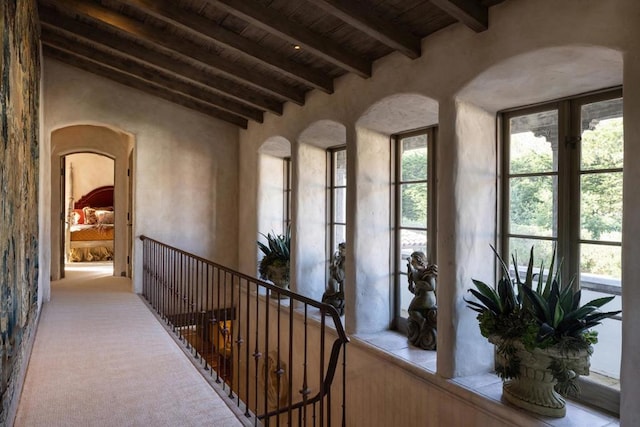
<point x="274" y="265"/>
<point x="542" y="334"/>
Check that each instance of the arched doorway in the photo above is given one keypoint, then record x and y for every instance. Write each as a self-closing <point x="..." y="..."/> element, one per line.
<point x="89" y="211"/>
<point x="103" y="141"/>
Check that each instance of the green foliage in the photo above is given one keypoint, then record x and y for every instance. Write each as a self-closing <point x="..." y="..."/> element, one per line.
<point x="414" y="196"/>
<point x="602" y="146"/>
<point x="414" y="165"/>
<point x="539" y="311"/>
<point x="532" y="202"/>
<point x="276" y="252"/>
<point x="560" y="316"/>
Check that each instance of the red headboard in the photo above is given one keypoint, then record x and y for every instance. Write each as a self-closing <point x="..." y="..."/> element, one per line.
<point x="100" y="197"/>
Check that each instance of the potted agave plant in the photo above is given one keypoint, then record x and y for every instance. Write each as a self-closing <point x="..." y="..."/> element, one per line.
<point x="274" y="265"/>
<point x="542" y="334"/>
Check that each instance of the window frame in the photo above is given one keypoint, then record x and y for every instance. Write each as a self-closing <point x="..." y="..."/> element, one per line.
<point x="286" y="188"/>
<point x="399" y="278"/>
<point x="332" y="245"/>
<point x="568" y="223"/>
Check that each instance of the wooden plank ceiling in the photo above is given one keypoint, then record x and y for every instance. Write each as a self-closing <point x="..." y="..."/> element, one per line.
<point x="236" y="59"/>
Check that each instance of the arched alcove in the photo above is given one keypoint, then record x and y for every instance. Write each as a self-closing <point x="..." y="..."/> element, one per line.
<point x="106" y="141"/>
<point x="369" y="205"/>
<point x="400" y="113"/>
<point x="468" y="175"/>
<point x="276" y="146"/>
<point x="273" y="186"/>
<point x="544" y="75"/>
<point x="310" y="228"/>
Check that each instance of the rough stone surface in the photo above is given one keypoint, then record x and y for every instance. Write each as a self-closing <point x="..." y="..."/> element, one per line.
<point x="19" y="147"/>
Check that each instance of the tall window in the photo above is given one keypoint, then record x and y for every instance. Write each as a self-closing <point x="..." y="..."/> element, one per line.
<point x="286" y="180"/>
<point x="337" y="198"/>
<point x="563" y="186"/>
<point x="414" y="210"/>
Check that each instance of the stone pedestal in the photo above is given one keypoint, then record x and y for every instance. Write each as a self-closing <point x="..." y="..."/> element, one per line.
<point x="423" y="333"/>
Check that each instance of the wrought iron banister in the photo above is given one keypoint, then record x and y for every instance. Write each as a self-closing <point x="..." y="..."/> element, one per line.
<point x="277" y="353"/>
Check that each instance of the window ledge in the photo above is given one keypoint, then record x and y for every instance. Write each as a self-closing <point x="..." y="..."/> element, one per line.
<point x="484" y="390"/>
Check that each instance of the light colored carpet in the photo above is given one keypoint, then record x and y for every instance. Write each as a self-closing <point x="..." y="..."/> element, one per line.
<point x="101" y="358"/>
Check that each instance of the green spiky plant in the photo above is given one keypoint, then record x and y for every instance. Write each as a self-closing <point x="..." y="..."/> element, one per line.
<point x="540" y="313"/>
<point x="276" y="253"/>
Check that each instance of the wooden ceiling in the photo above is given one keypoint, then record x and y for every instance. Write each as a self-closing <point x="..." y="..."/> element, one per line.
<point x="236" y="59"/>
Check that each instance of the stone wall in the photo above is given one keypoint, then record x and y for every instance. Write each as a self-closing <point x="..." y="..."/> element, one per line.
<point x="19" y="147"/>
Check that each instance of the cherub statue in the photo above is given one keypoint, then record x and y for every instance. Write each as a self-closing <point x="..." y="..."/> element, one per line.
<point x="423" y="308"/>
<point x="334" y="291"/>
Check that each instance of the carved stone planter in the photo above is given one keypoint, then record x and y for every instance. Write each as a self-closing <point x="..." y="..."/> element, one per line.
<point x="534" y="389"/>
<point x="279" y="276"/>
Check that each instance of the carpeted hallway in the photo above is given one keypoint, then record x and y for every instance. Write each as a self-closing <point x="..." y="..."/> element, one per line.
<point x="101" y="358"/>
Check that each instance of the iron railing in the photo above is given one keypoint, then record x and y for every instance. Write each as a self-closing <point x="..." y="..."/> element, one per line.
<point x="275" y="353"/>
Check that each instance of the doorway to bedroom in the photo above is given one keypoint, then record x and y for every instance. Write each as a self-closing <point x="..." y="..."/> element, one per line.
<point x="89" y="203"/>
<point x="92" y="173"/>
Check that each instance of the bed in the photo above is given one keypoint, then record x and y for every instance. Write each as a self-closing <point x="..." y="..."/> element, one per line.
<point x="91" y="227"/>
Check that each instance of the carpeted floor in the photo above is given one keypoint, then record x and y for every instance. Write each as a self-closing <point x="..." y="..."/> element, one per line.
<point x="101" y="358"/>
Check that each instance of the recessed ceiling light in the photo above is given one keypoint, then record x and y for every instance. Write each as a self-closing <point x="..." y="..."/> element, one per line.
<point x="297" y="47"/>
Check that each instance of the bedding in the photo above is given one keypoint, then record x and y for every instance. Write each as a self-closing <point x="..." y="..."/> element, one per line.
<point x="91" y="229"/>
<point x="91" y="232"/>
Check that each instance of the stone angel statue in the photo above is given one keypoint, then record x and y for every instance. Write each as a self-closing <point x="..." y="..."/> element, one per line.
<point x="334" y="291"/>
<point x="423" y="308"/>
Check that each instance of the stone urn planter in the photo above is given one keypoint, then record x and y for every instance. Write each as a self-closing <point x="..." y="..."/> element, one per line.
<point x="542" y="334"/>
<point x="534" y="389"/>
<point x="278" y="274"/>
<point x="274" y="266"/>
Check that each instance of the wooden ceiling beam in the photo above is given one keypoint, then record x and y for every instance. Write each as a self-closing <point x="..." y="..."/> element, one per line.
<point x="274" y="23"/>
<point x="141" y="85"/>
<point x="359" y="16"/>
<point x="168" y="12"/>
<point x="154" y="36"/>
<point x="470" y="12"/>
<point x="149" y="74"/>
<point x="51" y="18"/>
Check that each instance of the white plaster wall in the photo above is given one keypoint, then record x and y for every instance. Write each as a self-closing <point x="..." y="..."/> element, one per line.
<point x="271" y="203"/>
<point x="90" y="171"/>
<point x="248" y="218"/>
<point x="466" y="227"/>
<point x="309" y="224"/>
<point x="533" y="51"/>
<point x="186" y="178"/>
<point x="630" y="384"/>
<point x="368" y="307"/>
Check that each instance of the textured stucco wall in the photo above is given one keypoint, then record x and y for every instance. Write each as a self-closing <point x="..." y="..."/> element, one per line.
<point x="271" y="172"/>
<point x="368" y="243"/>
<point x="629" y="408"/>
<point x="185" y="174"/>
<point x="19" y="150"/>
<point x="90" y="171"/>
<point x="309" y="220"/>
